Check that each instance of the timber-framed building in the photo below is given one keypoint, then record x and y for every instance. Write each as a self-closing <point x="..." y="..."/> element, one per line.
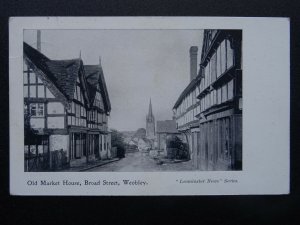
<point x="66" y="107"/>
<point x="209" y="110"/>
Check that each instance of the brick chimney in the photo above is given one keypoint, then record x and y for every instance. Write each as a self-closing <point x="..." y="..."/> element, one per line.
<point x="193" y="62"/>
<point x="38" y="41"/>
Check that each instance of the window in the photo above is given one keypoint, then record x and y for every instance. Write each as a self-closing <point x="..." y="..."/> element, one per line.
<point x="81" y="111"/>
<point x="223" y="57"/>
<point x="230" y="54"/>
<point x="40" y="111"/>
<point x="215" y="97"/>
<point x="230" y="89"/>
<point x="224" y="93"/>
<point x="69" y="120"/>
<point x="96" y="116"/>
<point x="78" y="93"/>
<point x="73" y="107"/>
<point x="219" y="62"/>
<point x="33" y="109"/>
<point x="219" y="96"/>
<point x="37" y="109"/>
<point x="213" y="67"/>
<point x="212" y="98"/>
<point x="77" y="112"/>
<point x="208" y="100"/>
<point x="82" y="122"/>
<point x="206" y="75"/>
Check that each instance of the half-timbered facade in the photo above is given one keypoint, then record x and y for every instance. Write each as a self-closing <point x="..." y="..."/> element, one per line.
<point x="98" y="134"/>
<point x="209" y="110"/>
<point x="58" y="112"/>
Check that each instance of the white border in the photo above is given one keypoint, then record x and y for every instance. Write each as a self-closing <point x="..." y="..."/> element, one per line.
<point x="266" y="91"/>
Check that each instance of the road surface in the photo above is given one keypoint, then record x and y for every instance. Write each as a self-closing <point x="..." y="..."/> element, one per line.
<point x="141" y="162"/>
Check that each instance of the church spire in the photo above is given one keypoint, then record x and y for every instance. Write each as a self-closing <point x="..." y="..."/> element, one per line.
<point x="150" y="114"/>
<point x="150" y="123"/>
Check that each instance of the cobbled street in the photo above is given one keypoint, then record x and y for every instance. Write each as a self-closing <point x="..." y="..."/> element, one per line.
<point x="142" y="162"/>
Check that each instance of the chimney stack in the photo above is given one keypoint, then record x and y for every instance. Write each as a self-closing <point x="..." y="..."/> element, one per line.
<point x="38" y="41"/>
<point x="193" y="62"/>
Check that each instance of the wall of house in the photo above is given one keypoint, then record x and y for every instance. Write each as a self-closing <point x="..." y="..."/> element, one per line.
<point x="109" y="146"/>
<point x="104" y="152"/>
<point x="215" y="100"/>
<point x="55" y="108"/>
<point x="59" y="154"/>
<point x="37" y="123"/>
<point x="58" y="142"/>
<point x="57" y="122"/>
<point x="162" y="141"/>
<point x="46" y="111"/>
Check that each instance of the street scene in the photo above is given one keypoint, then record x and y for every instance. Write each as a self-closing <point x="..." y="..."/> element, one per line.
<point x="132" y="100"/>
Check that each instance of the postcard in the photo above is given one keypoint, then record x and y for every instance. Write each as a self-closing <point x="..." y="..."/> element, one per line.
<point x="149" y="105"/>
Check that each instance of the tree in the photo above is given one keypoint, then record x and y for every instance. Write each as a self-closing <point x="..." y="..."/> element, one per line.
<point x="117" y="140"/>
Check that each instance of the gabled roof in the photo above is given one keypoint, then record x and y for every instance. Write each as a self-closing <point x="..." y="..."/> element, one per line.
<point x="167" y="126"/>
<point x="94" y="75"/>
<point x="61" y="73"/>
<point x="92" y="78"/>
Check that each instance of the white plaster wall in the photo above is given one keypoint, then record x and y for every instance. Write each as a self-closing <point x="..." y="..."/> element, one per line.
<point x="37" y="122"/>
<point x="57" y="142"/>
<point x="49" y="94"/>
<point x="103" y="154"/>
<point x="56" y="122"/>
<point x="55" y="108"/>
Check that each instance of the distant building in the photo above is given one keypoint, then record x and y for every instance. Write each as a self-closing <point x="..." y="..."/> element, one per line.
<point x="144" y="144"/>
<point x="209" y="110"/>
<point x="66" y="106"/>
<point x="150" y="123"/>
<point x="163" y="130"/>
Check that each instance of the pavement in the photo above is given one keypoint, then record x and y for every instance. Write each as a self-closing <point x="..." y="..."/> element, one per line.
<point x="90" y="165"/>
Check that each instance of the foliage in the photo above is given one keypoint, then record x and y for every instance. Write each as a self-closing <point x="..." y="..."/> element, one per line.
<point x="117" y="140"/>
<point x="140" y="133"/>
<point x="179" y="149"/>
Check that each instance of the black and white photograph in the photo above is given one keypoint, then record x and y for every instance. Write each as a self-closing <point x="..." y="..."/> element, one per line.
<point x="149" y="106"/>
<point x="132" y="100"/>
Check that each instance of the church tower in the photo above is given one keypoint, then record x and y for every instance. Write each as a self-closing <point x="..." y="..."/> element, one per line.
<point x="150" y="123"/>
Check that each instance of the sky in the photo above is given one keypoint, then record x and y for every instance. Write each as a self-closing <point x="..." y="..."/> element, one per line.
<point x="137" y="65"/>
